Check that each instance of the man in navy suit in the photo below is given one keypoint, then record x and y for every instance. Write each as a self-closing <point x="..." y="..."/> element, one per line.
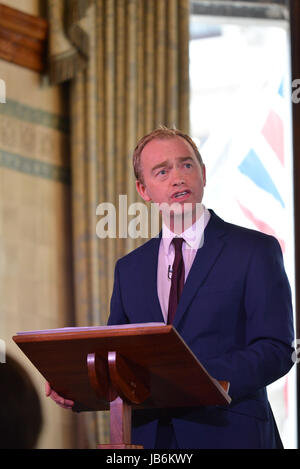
<point x="234" y="312"/>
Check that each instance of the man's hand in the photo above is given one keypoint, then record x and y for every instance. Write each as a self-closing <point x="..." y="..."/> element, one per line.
<point x="61" y="401"/>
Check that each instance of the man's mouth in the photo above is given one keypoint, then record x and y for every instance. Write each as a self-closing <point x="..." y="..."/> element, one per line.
<point x="181" y="195"/>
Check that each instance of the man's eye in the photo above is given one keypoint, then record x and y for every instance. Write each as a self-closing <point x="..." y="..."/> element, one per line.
<point x="162" y="172"/>
<point x="188" y="165"/>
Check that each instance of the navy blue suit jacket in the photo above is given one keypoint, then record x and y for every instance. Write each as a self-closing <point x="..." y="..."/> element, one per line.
<point x="235" y="314"/>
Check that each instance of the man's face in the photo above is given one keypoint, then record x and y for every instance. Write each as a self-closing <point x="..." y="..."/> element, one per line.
<point x="171" y="173"/>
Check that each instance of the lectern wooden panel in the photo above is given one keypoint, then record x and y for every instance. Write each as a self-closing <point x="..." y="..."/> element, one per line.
<point x="143" y="365"/>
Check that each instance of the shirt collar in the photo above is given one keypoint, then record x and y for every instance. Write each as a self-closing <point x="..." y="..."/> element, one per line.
<point x="192" y="236"/>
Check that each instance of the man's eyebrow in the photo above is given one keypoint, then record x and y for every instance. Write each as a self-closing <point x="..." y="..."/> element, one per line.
<point x="185" y="158"/>
<point x="165" y="163"/>
<point x="159" y="165"/>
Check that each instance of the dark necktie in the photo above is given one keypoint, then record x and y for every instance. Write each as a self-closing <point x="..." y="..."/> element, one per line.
<point x="177" y="281"/>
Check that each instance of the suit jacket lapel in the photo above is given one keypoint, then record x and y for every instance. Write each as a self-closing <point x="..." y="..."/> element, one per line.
<point x="149" y="266"/>
<point x="207" y="255"/>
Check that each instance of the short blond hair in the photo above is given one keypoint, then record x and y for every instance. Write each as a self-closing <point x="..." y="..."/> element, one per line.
<point x="160" y="133"/>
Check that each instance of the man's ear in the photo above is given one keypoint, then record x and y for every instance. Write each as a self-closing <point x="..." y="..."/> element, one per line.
<point x="142" y="190"/>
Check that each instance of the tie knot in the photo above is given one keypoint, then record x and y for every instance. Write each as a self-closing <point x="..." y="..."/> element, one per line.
<point x="177" y="243"/>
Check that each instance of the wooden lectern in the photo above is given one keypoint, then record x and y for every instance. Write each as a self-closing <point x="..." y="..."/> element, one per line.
<point x="120" y="368"/>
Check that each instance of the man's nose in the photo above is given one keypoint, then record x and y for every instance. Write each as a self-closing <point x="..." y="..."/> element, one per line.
<point x="177" y="177"/>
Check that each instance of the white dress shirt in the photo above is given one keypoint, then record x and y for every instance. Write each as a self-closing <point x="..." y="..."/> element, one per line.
<point x="193" y="240"/>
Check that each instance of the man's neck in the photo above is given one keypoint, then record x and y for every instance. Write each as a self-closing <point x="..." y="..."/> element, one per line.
<point x="182" y="222"/>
